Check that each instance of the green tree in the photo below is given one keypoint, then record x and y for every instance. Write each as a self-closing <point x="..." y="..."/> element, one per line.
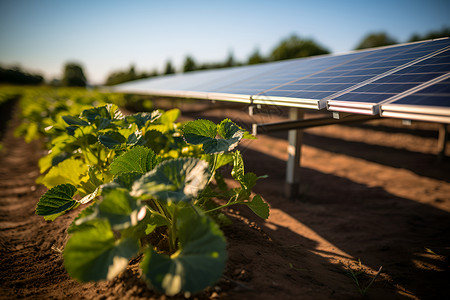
<point x="121" y="76"/>
<point x="376" y="39"/>
<point x="169" y="68"/>
<point x="73" y="75"/>
<point x="255" y="58"/>
<point x="16" y="75"/>
<point x="132" y="72"/>
<point x="128" y="75"/>
<point x="189" y="64"/>
<point x="295" y="47"/>
<point x="434" y="34"/>
<point x="230" y="62"/>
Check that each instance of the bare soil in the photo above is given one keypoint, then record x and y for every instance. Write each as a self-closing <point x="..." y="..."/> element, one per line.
<point x="372" y="195"/>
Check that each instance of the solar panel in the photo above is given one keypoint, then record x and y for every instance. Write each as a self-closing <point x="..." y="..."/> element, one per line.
<point x="429" y="102"/>
<point x="418" y="65"/>
<point x="357" y="82"/>
<point x="200" y="84"/>
<point x="282" y="87"/>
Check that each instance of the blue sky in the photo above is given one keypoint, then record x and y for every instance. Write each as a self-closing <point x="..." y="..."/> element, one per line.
<point x="105" y="36"/>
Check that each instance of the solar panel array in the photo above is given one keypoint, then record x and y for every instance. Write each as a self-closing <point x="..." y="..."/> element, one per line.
<point x="405" y="81"/>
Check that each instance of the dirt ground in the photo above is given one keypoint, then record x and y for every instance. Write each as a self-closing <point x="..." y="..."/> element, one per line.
<point x="372" y="196"/>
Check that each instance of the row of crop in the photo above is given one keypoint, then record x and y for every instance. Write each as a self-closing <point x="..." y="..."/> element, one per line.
<point x="8" y="98"/>
<point x="147" y="186"/>
<point x="9" y="92"/>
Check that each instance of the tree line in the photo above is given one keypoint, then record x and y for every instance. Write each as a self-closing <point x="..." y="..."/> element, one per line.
<point x="291" y="47"/>
<point x="288" y="48"/>
<point x="16" y="75"/>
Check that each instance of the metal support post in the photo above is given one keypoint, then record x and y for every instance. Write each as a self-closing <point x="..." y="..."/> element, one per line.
<point x="294" y="156"/>
<point x="442" y="141"/>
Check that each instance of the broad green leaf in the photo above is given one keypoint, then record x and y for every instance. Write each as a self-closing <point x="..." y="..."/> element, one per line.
<point x="228" y="130"/>
<point x="150" y="228"/>
<point x="154" y="140"/>
<point x="199" y="132"/>
<point x="86" y="135"/>
<point x="71" y="129"/>
<point x="220" y="145"/>
<point x="141" y="119"/>
<point x="76" y="225"/>
<point x="120" y="209"/>
<point x="230" y="133"/>
<point x="72" y="120"/>
<point x="111" y="139"/>
<point x="94" y="113"/>
<point x="139" y="159"/>
<point x="174" y="180"/>
<point x="155" y="221"/>
<point x="124" y="181"/>
<point x="223" y="159"/>
<point x="104" y="116"/>
<point x="93" y="254"/>
<point x="109" y="112"/>
<point x="259" y="207"/>
<point x="204" y="132"/>
<point x="199" y="262"/>
<point x="166" y="123"/>
<point x="71" y="171"/>
<point x="56" y="201"/>
<point x="218" y="160"/>
<point x="91" y="184"/>
<point x="103" y="123"/>
<point x="170" y="117"/>
<point x="51" y="159"/>
<point x="134" y="138"/>
<point x="114" y="112"/>
<point x="248" y="181"/>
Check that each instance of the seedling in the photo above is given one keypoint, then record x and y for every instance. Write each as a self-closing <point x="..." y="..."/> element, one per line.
<point x="356" y="274"/>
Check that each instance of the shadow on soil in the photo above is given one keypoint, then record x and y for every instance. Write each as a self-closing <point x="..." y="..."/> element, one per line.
<point x="378" y="228"/>
<point x="332" y="207"/>
<point x="420" y="163"/>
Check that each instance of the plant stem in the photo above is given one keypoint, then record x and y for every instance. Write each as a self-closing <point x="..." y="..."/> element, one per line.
<point x="225" y="205"/>
<point x="372" y="281"/>
<point x="173" y="231"/>
<point x="213" y="169"/>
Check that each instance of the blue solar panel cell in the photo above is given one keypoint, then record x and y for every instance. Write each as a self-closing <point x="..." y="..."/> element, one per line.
<point x="428" y="102"/>
<point x="385" y="88"/>
<point x="364" y="97"/>
<point x="437" y="94"/>
<point x="402" y="80"/>
<point x="368" y="78"/>
<point x="407" y="78"/>
<point x="423" y="99"/>
<point x="437" y="89"/>
<point x="356" y="71"/>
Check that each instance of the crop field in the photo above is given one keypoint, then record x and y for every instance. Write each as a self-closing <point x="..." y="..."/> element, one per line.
<point x="110" y="196"/>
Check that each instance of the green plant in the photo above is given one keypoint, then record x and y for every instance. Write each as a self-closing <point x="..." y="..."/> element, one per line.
<point x="151" y="185"/>
<point x="355" y="275"/>
<point x="42" y="109"/>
